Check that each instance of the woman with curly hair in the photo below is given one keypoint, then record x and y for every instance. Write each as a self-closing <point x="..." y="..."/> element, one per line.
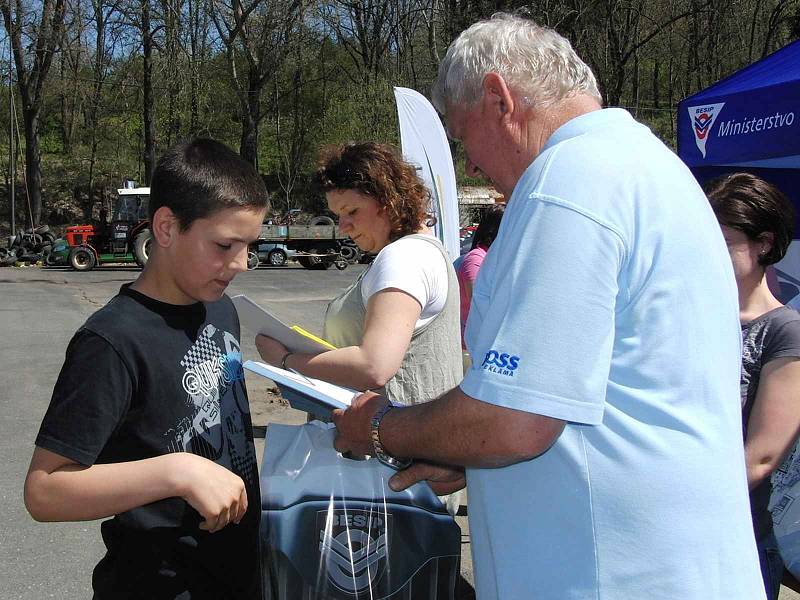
<point x="397" y="327"/>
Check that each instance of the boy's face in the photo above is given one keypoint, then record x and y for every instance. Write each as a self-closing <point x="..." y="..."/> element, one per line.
<point x="205" y="258"/>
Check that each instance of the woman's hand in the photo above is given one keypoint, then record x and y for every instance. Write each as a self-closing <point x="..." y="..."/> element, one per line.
<point x="270" y="349"/>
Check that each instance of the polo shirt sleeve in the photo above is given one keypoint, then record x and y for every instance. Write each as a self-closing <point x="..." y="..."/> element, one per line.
<point x="544" y="337"/>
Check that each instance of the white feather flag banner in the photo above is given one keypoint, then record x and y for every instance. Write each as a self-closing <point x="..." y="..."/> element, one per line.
<point x="425" y="145"/>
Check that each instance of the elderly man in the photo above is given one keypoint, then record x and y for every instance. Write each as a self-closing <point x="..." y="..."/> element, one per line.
<point x="600" y="424"/>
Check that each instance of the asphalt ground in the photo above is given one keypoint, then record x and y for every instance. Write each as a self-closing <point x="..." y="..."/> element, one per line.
<point x="40" y="309"/>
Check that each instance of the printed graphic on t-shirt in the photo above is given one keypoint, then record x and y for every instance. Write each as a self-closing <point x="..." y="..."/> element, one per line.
<point x="753" y="339"/>
<point x="213" y="382"/>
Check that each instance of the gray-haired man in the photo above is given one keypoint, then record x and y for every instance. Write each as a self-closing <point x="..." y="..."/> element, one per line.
<point x="599" y="424"/>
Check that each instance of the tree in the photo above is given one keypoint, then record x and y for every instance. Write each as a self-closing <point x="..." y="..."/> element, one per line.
<point x="197" y="51"/>
<point x="148" y="99"/>
<point x="256" y="34"/>
<point x="106" y="37"/>
<point x="34" y="43"/>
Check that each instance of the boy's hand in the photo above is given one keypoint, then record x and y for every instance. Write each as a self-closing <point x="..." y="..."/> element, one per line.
<point x="270" y="349"/>
<point x="212" y="490"/>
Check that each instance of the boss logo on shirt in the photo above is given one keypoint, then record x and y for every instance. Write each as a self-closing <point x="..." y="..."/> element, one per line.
<point x="502" y="363"/>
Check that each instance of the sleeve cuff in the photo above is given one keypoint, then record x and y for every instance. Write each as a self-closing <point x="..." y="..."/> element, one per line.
<point x="403" y="286"/>
<point x="529" y="400"/>
<point x="79" y="456"/>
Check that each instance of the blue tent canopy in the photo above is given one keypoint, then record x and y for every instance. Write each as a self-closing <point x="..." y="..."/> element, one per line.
<point x="749" y="119"/>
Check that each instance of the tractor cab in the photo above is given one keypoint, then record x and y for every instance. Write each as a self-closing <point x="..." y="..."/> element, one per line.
<point x="129" y="216"/>
<point x="125" y="238"/>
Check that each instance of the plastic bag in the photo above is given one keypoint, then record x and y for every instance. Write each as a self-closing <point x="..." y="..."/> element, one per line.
<point x="332" y="528"/>
<point x="785" y="507"/>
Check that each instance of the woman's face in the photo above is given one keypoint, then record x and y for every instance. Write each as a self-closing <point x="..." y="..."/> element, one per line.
<point x="361" y="218"/>
<point x="744" y="254"/>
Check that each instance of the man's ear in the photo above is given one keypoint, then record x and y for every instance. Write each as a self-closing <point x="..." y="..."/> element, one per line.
<point x="498" y="101"/>
<point x="165" y="226"/>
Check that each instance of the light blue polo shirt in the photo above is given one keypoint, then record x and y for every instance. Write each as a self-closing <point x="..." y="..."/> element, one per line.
<point x="608" y="300"/>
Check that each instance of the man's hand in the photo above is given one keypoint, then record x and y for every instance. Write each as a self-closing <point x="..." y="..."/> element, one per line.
<point x="212" y="490"/>
<point x="443" y="480"/>
<point x="354" y="425"/>
<point x="270" y="349"/>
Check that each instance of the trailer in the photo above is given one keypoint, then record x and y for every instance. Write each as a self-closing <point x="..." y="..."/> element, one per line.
<point x="317" y="246"/>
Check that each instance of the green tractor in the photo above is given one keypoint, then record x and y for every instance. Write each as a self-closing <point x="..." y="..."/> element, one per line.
<point x="124" y="239"/>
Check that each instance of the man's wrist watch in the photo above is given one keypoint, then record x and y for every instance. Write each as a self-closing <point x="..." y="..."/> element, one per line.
<point x="380" y="452"/>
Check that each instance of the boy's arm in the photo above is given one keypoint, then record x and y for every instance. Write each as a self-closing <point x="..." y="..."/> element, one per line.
<point x="59" y="489"/>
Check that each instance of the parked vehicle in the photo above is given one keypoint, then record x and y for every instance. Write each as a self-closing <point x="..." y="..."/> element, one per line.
<point x="317" y="245"/>
<point x="59" y="255"/>
<point x="274" y="255"/>
<point x="125" y="239"/>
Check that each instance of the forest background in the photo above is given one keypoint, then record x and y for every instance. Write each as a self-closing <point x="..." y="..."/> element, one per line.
<point x="101" y="87"/>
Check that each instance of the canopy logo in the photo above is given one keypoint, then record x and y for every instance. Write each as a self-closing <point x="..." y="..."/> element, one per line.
<point x="353" y="546"/>
<point x="702" y="118"/>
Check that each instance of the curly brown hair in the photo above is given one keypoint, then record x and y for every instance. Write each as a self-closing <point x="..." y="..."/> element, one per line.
<point x="378" y="171"/>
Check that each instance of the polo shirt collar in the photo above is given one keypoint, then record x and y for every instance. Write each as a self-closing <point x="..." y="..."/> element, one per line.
<point x="597" y="119"/>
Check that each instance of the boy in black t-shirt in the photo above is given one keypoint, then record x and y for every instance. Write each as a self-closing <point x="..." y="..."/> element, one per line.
<point x="149" y="420"/>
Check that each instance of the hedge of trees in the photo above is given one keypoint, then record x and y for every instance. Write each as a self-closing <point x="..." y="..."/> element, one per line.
<point x="101" y="86"/>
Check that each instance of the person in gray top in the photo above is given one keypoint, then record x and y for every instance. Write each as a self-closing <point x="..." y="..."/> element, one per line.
<point x="396" y="328"/>
<point x="757" y="221"/>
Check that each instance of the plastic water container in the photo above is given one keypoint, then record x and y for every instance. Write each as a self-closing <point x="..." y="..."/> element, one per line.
<point x="331" y="528"/>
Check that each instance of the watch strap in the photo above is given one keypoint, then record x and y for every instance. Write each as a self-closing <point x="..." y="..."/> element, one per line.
<point x="380" y="452"/>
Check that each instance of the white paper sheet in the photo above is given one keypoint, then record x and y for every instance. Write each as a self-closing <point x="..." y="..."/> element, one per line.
<point x="322" y="393"/>
<point x="258" y="320"/>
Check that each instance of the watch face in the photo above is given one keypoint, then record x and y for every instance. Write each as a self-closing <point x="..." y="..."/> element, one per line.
<point x="398" y="464"/>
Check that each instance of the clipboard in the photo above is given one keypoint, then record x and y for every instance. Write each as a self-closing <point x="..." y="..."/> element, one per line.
<point x="305" y="393"/>
<point x="258" y="320"/>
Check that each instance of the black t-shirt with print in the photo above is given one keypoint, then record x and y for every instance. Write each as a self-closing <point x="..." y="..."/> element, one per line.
<point x="141" y="379"/>
<point x="775" y="334"/>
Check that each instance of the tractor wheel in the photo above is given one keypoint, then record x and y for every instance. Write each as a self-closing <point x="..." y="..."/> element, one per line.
<point x="252" y="261"/>
<point x="141" y="247"/>
<point x="82" y="258"/>
<point x="276" y="257"/>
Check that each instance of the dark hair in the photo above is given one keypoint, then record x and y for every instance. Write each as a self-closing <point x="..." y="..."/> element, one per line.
<point x="753" y="206"/>
<point x="200" y="177"/>
<point x="378" y="171"/>
<point x="489" y="226"/>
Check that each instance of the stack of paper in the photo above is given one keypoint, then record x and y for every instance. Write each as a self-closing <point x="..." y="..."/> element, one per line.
<point x="305" y="393"/>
